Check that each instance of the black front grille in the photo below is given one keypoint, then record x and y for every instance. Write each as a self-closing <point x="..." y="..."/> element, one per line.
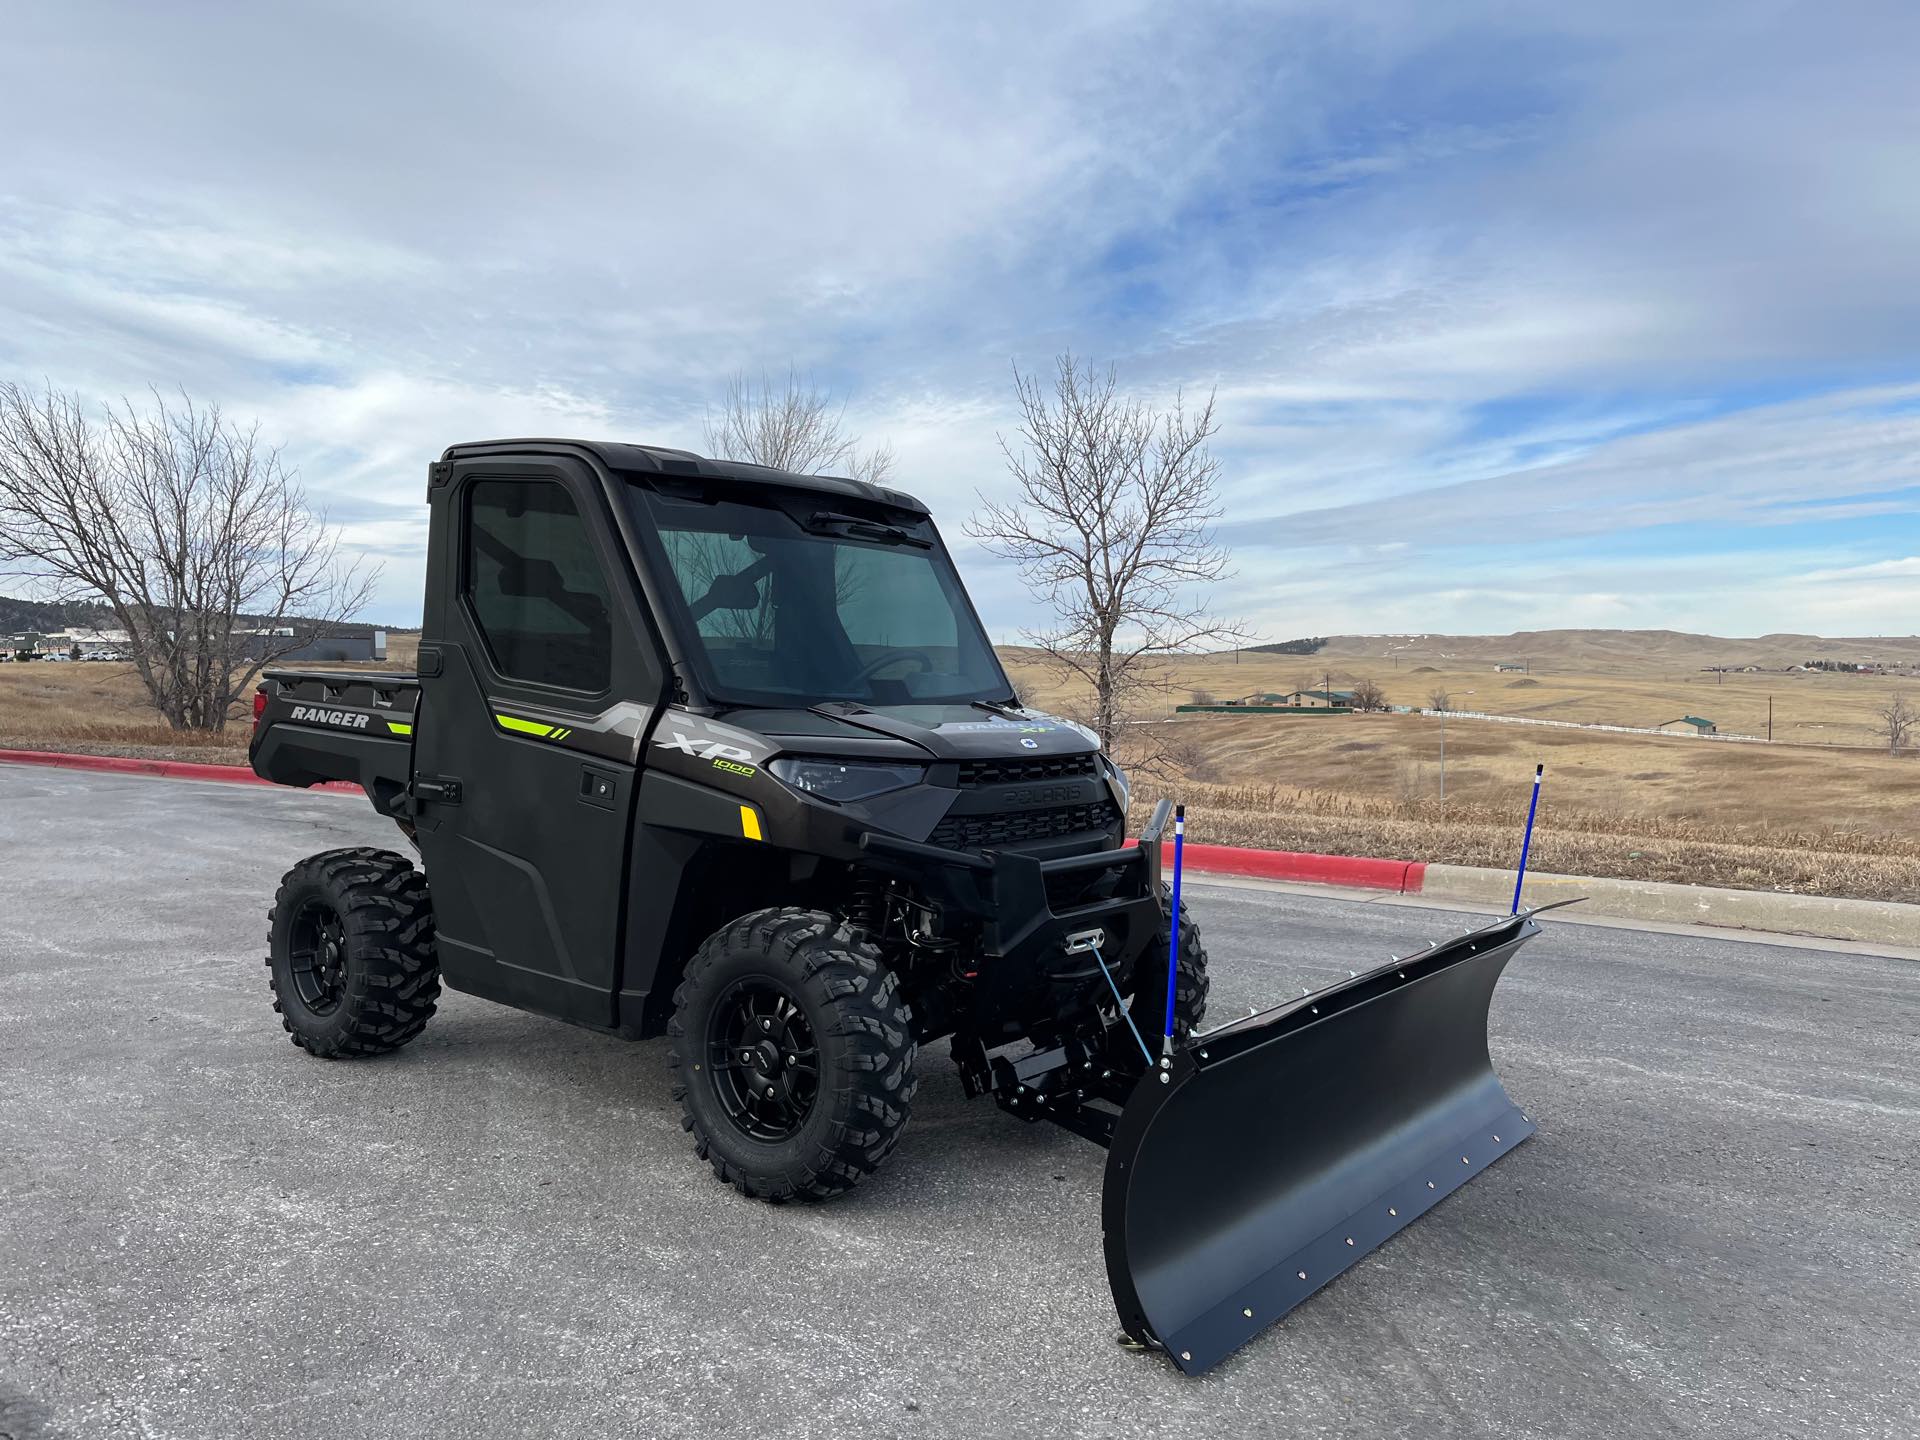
<point x="1016" y="770"/>
<point x="985" y="832"/>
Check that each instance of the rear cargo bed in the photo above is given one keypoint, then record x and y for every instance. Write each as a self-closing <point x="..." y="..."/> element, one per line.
<point x="317" y="725"/>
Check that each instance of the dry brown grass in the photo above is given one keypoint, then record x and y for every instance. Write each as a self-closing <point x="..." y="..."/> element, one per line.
<point x="98" y="707"/>
<point x="1807" y="816"/>
<point x="1622" y="844"/>
<point x="1753" y="787"/>
<point x="1815" y="708"/>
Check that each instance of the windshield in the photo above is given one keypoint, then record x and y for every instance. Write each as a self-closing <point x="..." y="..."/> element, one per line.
<point x="820" y="604"/>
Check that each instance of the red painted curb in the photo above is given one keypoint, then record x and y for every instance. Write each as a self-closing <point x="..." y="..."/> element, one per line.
<point x="1358" y="871"/>
<point x="165" y="769"/>
<point x="1361" y="872"/>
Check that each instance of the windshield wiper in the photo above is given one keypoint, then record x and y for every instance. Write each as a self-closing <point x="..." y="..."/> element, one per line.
<point x="855" y="528"/>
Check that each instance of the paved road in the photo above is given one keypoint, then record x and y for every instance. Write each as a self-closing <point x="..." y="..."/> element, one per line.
<point x="502" y="1232"/>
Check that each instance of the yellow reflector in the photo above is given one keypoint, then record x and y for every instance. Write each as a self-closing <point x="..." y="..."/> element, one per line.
<point x="399" y="729"/>
<point x="750" y="823"/>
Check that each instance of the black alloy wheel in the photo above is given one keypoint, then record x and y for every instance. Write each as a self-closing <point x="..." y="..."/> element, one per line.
<point x="763" y="1059"/>
<point x="317" y="956"/>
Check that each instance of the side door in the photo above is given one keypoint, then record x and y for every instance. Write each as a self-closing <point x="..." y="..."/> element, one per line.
<point x="540" y="681"/>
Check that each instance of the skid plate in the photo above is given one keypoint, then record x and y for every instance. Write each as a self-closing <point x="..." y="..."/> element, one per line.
<point x="1284" y="1147"/>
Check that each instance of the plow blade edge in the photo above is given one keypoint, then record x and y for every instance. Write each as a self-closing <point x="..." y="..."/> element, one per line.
<point x="1286" y="1146"/>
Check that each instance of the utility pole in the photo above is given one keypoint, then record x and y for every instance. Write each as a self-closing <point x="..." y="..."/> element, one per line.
<point x="1443" y="759"/>
<point x="1769" y="717"/>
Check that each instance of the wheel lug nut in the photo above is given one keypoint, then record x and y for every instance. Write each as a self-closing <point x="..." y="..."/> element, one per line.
<point x="766" y="1024"/>
<point x="793" y="1059"/>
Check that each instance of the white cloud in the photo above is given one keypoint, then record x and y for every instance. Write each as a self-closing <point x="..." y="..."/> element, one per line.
<point x="1855" y="452"/>
<point x="1457" y="272"/>
<point x="1907" y="567"/>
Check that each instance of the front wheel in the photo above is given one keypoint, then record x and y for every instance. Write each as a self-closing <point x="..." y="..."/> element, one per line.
<point x="792" y="1055"/>
<point x="1149" y="1008"/>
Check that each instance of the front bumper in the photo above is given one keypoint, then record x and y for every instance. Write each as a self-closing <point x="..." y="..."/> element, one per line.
<point x="1025" y="908"/>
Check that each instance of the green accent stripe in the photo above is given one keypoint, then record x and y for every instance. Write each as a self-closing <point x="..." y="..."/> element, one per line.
<point x="524" y="727"/>
<point x="398" y="728"/>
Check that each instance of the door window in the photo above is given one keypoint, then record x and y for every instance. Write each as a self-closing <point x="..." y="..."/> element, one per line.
<point x="536" y="587"/>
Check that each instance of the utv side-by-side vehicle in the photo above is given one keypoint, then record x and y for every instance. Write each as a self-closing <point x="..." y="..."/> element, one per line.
<point x="721" y="753"/>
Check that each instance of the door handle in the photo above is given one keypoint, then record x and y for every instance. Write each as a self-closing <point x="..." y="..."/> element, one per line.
<point x="441" y="790"/>
<point x="597" y="787"/>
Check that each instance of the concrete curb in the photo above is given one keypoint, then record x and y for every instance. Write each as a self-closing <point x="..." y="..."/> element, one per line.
<point x="1358" y="872"/>
<point x="163" y="769"/>
<point x="1876" y="922"/>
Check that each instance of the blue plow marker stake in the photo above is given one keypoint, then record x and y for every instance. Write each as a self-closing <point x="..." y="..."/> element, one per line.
<point x="1173" y="928"/>
<point x="1533" y="807"/>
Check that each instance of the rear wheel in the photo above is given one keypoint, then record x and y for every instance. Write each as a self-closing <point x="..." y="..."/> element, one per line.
<point x="792" y="1055"/>
<point x="350" y="954"/>
<point x="1149" y="1008"/>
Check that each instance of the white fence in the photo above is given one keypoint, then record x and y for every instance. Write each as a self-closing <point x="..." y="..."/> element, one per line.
<point x="1581" y="725"/>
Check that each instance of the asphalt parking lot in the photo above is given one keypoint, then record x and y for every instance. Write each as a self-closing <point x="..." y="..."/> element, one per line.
<point x="502" y="1231"/>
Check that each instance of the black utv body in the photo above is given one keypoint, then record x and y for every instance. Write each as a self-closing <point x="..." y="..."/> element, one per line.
<point x="709" y="750"/>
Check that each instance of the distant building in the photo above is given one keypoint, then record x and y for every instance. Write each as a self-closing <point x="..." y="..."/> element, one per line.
<point x="1690" y="725"/>
<point x="65" y="642"/>
<point x="1509" y="667"/>
<point x="89" y="642"/>
<point x="1317" y="699"/>
<point x="253" y="644"/>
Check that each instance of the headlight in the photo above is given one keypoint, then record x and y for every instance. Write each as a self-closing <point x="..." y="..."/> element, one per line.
<point x="843" y="780"/>
<point x="1120" y="782"/>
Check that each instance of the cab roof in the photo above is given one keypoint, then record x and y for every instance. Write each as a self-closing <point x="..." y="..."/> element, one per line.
<point x="685" y="465"/>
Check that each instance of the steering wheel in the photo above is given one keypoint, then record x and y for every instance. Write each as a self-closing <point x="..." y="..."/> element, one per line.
<point x="891" y="657"/>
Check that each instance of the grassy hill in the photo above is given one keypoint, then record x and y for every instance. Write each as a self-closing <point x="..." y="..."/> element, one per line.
<point x="1587" y="677"/>
<point x="1607" y="651"/>
<point x="1823" y="810"/>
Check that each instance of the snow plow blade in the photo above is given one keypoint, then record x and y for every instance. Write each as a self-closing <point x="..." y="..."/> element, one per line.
<point x="1284" y="1147"/>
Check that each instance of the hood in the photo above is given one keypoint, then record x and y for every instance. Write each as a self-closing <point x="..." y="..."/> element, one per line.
<point x="939" y="732"/>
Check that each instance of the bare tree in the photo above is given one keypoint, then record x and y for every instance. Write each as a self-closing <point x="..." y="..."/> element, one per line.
<point x="180" y="523"/>
<point x="1367" y="695"/>
<point x="1439" y="700"/>
<point x="1111" y="526"/>
<point x="795" y="426"/>
<point x="1898" y="717"/>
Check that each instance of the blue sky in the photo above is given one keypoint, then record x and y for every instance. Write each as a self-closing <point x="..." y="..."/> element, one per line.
<point x="1518" y="316"/>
